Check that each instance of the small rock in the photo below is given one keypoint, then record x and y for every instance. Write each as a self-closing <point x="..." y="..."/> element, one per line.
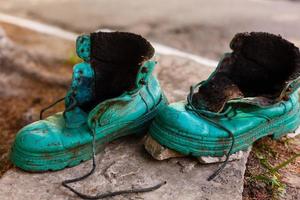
<point x="295" y="134"/>
<point x="159" y="152"/>
<point x="31" y="115"/>
<point x="209" y="159"/>
<point x="187" y="165"/>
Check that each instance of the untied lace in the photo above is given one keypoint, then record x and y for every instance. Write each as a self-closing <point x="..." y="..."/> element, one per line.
<point x="200" y="112"/>
<point x="98" y="196"/>
<point x="107" y="194"/>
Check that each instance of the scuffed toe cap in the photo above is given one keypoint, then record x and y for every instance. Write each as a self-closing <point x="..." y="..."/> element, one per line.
<point x="39" y="137"/>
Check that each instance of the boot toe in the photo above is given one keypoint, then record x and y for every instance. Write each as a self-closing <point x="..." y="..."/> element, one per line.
<point x="40" y="137"/>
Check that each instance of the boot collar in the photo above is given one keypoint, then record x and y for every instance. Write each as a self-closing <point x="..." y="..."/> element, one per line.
<point x="291" y="86"/>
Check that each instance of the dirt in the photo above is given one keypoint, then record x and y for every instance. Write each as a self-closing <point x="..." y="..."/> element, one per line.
<point x="21" y="96"/>
<point x="275" y="152"/>
<point x="55" y="49"/>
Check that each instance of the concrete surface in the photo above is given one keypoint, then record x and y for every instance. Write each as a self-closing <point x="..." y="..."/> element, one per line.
<point x="124" y="163"/>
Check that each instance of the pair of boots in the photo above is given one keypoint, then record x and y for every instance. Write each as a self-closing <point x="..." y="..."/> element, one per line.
<point x="251" y="94"/>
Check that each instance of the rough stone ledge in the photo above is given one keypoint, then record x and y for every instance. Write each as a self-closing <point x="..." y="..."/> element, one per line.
<point x="125" y="163"/>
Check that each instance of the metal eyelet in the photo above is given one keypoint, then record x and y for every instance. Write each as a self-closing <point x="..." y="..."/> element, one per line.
<point x="142" y="82"/>
<point x="144" y="70"/>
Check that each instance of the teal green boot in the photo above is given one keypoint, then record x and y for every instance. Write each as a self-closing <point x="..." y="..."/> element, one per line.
<point x="251" y="94"/>
<point x="113" y="94"/>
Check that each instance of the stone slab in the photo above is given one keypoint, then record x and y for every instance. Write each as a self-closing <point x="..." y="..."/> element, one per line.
<point x="125" y="163"/>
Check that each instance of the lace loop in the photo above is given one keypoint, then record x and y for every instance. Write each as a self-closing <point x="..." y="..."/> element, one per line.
<point x="50" y="106"/>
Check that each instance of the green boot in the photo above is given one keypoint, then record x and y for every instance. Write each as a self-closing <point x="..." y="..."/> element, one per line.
<point x="251" y="94"/>
<point x="113" y="94"/>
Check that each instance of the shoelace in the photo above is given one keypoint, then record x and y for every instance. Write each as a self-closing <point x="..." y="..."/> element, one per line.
<point x="72" y="106"/>
<point x="50" y="106"/>
<point x="199" y="112"/>
<point x="202" y="113"/>
<point x="107" y="194"/>
<point x="98" y="196"/>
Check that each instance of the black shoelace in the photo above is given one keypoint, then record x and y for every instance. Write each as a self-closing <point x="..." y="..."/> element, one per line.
<point x="199" y="112"/>
<point x="50" y="106"/>
<point x="107" y="194"/>
<point x="98" y="196"/>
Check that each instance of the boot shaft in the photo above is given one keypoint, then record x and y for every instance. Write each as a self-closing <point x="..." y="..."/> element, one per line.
<point x="262" y="69"/>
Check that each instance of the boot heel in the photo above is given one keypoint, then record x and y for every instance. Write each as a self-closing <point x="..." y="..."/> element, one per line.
<point x="277" y="136"/>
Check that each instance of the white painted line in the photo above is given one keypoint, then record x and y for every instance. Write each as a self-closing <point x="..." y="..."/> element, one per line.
<point x="38" y="27"/>
<point x="165" y="50"/>
<point x="67" y="35"/>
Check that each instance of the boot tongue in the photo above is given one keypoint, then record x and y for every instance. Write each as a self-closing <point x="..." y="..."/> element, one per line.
<point x="259" y="67"/>
<point x="116" y="58"/>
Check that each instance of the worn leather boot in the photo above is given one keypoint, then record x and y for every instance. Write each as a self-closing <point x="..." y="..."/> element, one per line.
<point x="113" y="93"/>
<point x="251" y="94"/>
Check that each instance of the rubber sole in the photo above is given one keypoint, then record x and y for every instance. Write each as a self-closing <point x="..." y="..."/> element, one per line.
<point x="29" y="161"/>
<point x="209" y="146"/>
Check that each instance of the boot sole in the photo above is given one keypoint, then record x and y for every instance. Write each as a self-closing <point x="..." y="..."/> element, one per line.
<point x="35" y="162"/>
<point x="210" y="146"/>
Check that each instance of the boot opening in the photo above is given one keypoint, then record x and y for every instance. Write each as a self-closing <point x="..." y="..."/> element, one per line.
<point x="260" y="65"/>
<point x="116" y="58"/>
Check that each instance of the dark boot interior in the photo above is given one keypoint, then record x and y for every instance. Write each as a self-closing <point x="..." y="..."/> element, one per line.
<point x="116" y="58"/>
<point x="259" y="66"/>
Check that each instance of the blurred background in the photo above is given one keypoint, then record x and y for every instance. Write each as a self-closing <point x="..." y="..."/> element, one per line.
<point x="200" y="26"/>
<point x="35" y="68"/>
